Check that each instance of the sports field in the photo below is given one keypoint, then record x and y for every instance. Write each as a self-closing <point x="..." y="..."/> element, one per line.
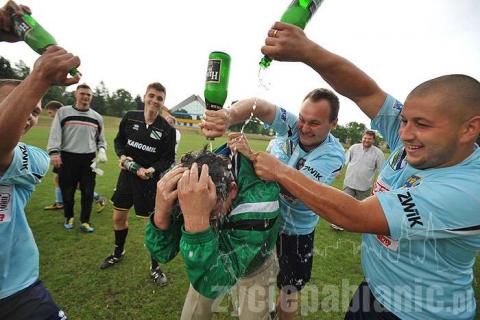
<point x="70" y="260"/>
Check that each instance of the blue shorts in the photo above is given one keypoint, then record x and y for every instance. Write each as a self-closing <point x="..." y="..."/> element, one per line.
<point x="32" y="303"/>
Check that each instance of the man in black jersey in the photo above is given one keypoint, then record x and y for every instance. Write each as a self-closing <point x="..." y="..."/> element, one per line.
<point x="146" y="138"/>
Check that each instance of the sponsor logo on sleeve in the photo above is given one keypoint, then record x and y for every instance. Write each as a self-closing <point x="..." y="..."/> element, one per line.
<point x="387" y="242"/>
<point x="5" y="203"/>
<point x="410" y="209"/>
<point x="398" y="160"/>
<point x="283" y="114"/>
<point x="398" y="106"/>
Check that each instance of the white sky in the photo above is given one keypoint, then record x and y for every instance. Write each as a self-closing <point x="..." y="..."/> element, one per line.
<point x="129" y="44"/>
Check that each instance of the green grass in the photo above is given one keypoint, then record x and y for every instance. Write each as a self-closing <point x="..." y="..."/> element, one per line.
<point x="69" y="260"/>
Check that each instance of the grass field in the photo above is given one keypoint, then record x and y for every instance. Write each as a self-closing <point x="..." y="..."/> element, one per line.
<point x="69" y="260"/>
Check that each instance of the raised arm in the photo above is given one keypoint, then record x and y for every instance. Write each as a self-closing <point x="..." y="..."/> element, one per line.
<point x="50" y="69"/>
<point x="216" y="123"/>
<point x="290" y="43"/>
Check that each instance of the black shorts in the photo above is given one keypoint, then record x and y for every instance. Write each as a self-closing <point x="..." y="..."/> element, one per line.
<point x="295" y="259"/>
<point x="55" y="170"/>
<point x="31" y="303"/>
<point x="364" y="306"/>
<point x="133" y="191"/>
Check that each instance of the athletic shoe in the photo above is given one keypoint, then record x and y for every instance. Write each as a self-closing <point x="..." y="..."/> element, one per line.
<point x="68" y="224"/>
<point x="100" y="204"/>
<point x="55" y="206"/>
<point x="86" y="227"/>
<point x="111" y="260"/>
<point x="159" y="277"/>
<point x="336" y="228"/>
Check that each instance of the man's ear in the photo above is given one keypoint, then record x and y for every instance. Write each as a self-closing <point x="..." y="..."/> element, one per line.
<point x="233" y="190"/>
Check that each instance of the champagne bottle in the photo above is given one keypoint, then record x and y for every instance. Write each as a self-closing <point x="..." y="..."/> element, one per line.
<point x="298" y="13"/>
<point x="132" y="167"/>
<point x="28" y="29"/>
<point x="216" y="83"/>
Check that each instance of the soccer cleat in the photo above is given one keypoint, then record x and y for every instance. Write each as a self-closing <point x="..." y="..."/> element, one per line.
<point x="100" y="204"/>
<point x="111" y="260"/>
<point x="68" y="224"/>
<point x="86" y="227"/>
<point x="55" y="206"/>
<point x="159" y="277"/>
<point x="336" y="228"/>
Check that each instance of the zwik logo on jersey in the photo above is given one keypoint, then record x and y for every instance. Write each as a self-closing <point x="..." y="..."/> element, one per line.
<point x="5" y="203"/>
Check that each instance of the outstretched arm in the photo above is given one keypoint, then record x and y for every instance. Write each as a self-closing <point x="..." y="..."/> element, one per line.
<point x="290" y="43"/>
<point x="365" y="216"/>
<point x="216" y="123"/>
<point x="50" y="69"/>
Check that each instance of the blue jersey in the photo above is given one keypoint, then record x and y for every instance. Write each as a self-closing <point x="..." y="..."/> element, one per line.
<point x="321" y="164"/>
<point x="18" y="251"/>
<point x="423" y="270"/>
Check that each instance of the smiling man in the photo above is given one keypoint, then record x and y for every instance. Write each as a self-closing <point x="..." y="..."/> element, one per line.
<point x="146" y="138"/>
<point x="304" y="143"/>
<point x="422" y="225"/>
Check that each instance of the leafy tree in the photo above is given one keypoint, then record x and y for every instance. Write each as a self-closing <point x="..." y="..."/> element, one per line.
<point x="6" y="70"/>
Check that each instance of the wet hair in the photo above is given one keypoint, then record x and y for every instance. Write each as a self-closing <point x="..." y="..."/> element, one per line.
<point x="219" y="169"/>
<point x="325" y="94"/>
<point x="370" y="133"/>
<point x="157" y="86"/>
<point x="53" y="105"/>
<point x="459" y="91"/>
<point x="83" y="86"/>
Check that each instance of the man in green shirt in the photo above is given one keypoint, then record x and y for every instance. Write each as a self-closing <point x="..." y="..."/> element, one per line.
<point x="225" y="226"/>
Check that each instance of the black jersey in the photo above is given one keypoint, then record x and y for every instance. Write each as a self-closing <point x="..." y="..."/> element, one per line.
<point x="149" y="145"/>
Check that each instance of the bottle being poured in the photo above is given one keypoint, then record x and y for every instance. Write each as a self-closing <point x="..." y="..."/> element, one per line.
<point x="216" y="82"/>
<point x="298" y="13"/>
<point x="28" y="29"/>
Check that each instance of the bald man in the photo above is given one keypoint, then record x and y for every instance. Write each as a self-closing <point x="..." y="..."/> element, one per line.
<point x="422" y="225"/>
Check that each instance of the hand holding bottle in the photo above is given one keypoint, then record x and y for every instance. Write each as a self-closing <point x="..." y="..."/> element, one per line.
<point x="286" y="42"/>
<point x="53" y="66"/>
<point x="215" y="123"/>
<point x="7" y="32"/>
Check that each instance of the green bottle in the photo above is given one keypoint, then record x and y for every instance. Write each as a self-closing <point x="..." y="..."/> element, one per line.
<point x="216" y="83"/>
<point x="28" y="29"/>
<point x="298" y="13"/>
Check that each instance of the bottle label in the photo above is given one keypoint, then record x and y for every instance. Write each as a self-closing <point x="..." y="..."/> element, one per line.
<point x="213" y="106"/>
<point x="313" y="6"/>
<point x="21" y="27"/>
<point x="213" y="70"/>
<point x="310" y="5"/>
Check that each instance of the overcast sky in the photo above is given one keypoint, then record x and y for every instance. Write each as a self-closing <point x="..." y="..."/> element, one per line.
<point x="128" y="44"/>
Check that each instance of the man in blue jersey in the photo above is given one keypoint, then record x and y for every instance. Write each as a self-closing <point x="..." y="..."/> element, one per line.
<point x="422" y="225"/>
<point x="22" y="295"/>
<point x="304" y="143"/>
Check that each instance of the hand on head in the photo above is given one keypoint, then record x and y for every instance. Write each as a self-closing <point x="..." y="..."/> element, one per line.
<point x="167" y="192"/>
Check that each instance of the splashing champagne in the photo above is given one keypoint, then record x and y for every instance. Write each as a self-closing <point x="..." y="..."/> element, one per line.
<point x="216" y="82"/>
<point x="298" y="13"/>
<point x="30" y="31"/>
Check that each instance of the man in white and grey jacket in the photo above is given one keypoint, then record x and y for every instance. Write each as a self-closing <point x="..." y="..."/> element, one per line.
<point x="77" y="133"/>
